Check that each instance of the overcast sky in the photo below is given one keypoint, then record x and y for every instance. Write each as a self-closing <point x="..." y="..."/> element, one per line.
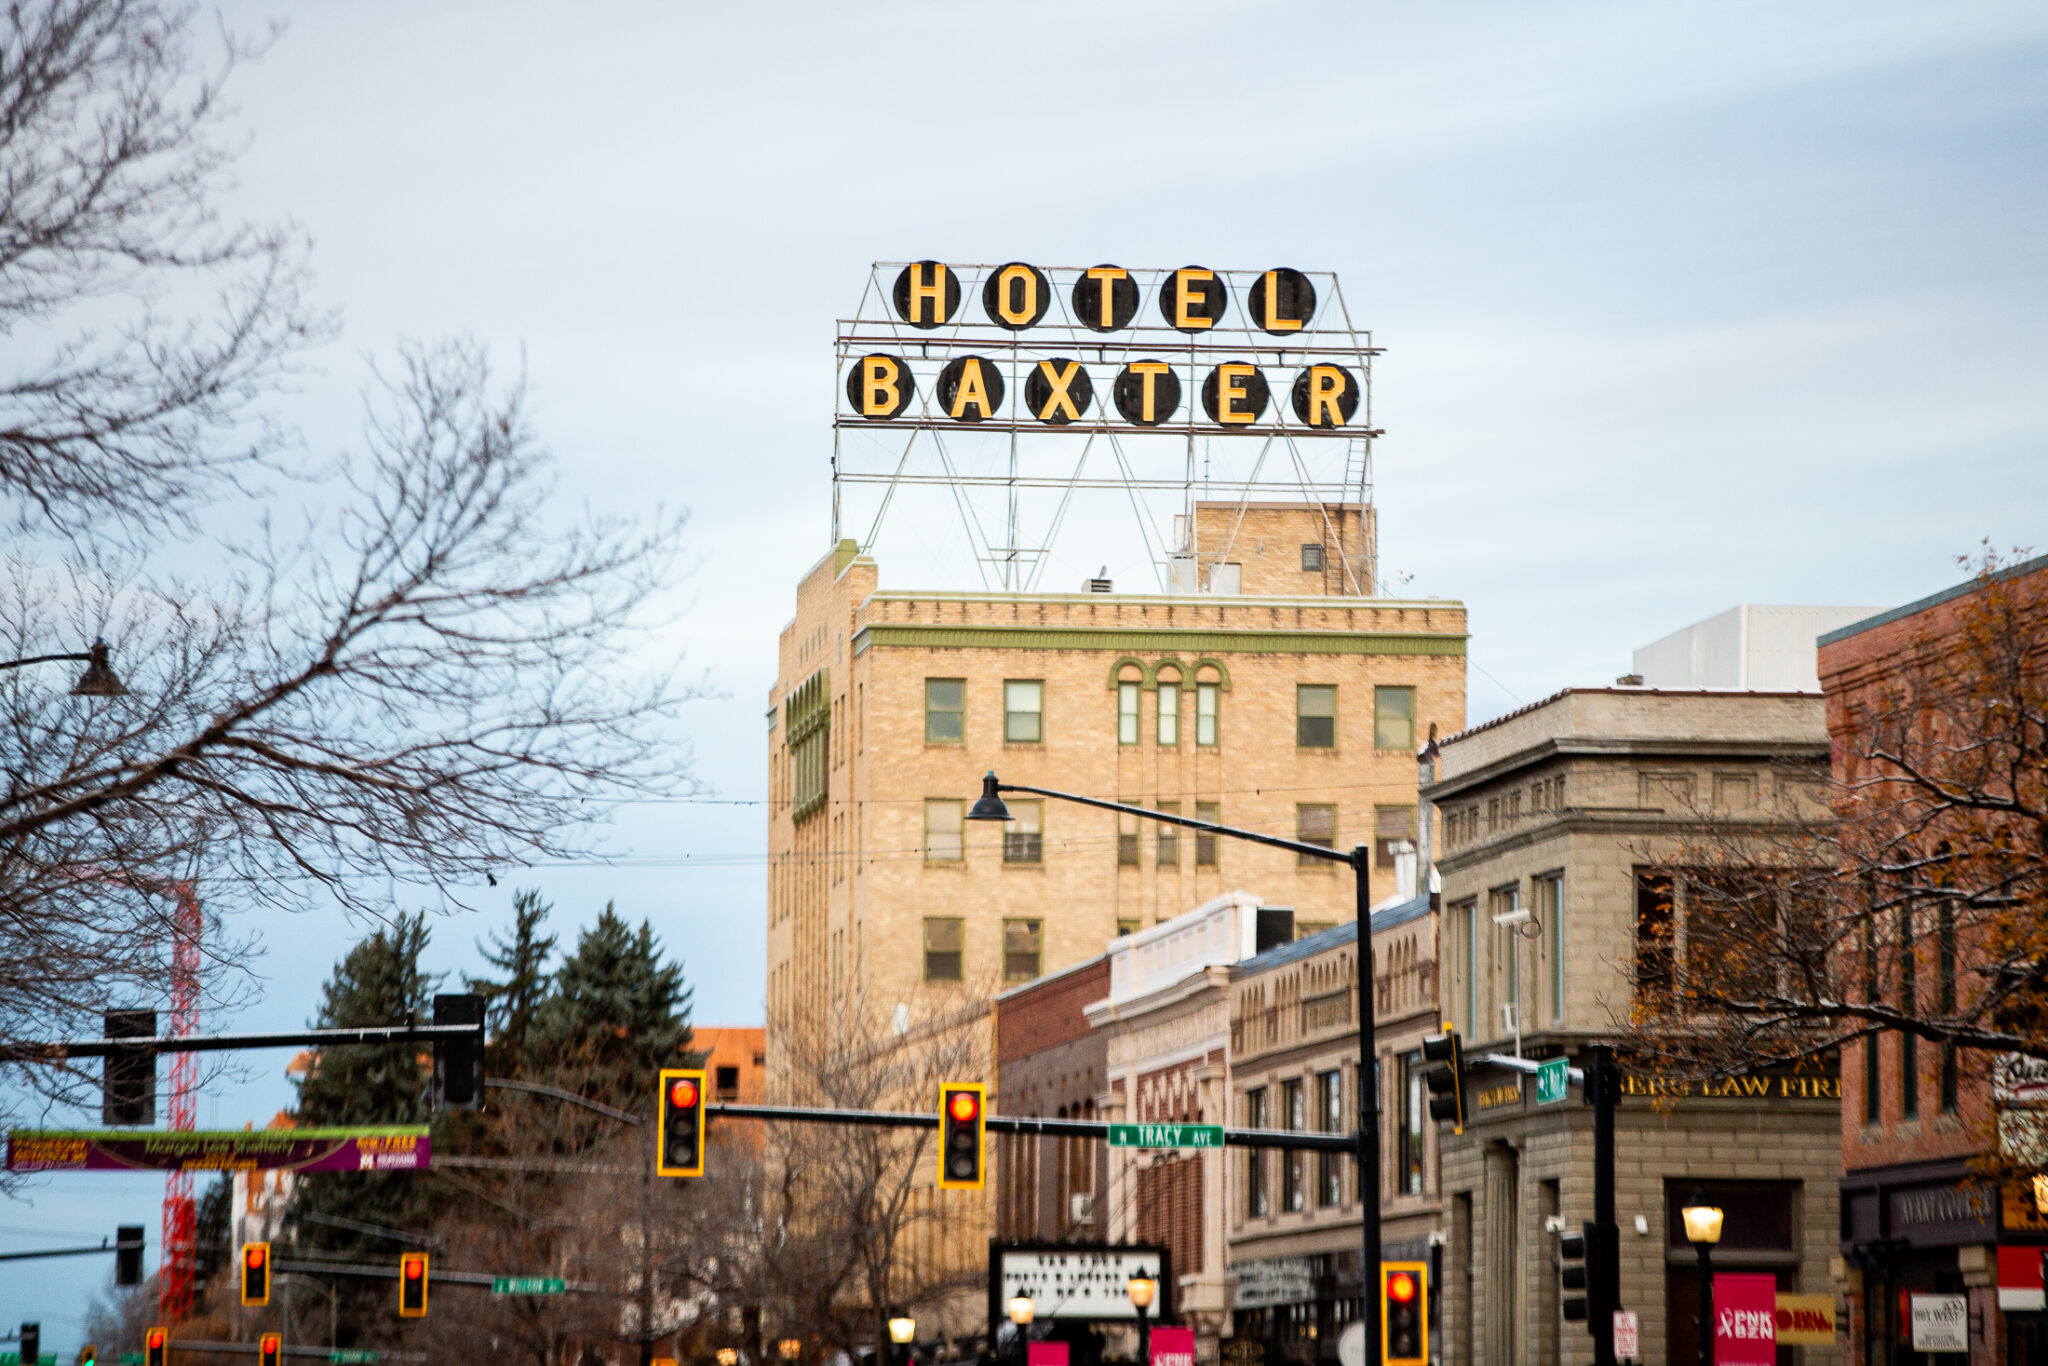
<point x="1683" y="306"/>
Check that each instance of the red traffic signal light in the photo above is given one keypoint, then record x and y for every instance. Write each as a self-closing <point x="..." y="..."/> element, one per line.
<point x="1401" y="1287"/>
<point x="679" y="1146"/>
<point x="156" y="1346"/>
<point x="961" y="1128"/>
<point x="269" y="1349"/>
<point x="256" y="1274"/>
<point x="412" y="1285"/>
<point x="1404" y="1326"/>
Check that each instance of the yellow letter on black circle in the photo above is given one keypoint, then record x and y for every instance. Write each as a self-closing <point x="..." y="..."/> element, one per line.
<point x="1235" y="394"/>
<point x="1325" y="396"/>
<point x="1105" y="298"/>
<point x="927" y="294"/>
<point x="1058" y="391"/>
<point x="1192" y="299"/>
<point x="1282" y="301"/>
<point x="970" y="388"/>
<point x="1147" y="392"/>
<point x="879" y="387"/>
<point x="1016" y="296"/>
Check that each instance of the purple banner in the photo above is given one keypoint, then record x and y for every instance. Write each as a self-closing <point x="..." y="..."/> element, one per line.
<point x="158" y="1150"/>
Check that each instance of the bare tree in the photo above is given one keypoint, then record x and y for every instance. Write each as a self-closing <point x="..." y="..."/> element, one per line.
<point x="143" y="327"/>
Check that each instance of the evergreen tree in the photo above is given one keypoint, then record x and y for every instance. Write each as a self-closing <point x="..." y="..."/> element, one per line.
<point x="513" y="997"/>
<point x="617" y="1014"/>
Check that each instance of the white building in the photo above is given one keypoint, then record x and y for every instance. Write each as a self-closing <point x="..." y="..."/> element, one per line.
<point x="1748" y="647"/>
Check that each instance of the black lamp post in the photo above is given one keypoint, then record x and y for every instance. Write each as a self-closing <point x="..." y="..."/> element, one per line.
<point x="1703" y="1230"/>
<point x="1021" y="1311"/>
<point x="1141" y="1289"/>
<point x="98" y="680"/>
<point x="990" y="807"/>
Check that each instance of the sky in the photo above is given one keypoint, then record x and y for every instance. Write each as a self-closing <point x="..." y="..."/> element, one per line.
<point x="1683" y="306"/>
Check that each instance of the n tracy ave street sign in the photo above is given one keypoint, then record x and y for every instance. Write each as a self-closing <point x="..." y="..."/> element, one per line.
<point x="1166" y="1135"/>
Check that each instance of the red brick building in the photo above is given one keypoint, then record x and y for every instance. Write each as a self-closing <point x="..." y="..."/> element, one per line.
<point x="1050" y="1064"/>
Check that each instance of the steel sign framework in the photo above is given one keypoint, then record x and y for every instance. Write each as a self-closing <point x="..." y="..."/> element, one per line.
<point x="1035" y="384"/>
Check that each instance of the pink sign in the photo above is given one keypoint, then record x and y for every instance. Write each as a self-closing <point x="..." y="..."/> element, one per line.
<point x="1745" y="1320"/>
<point x="1173" y="1347"/>
<point x="1045" y="1354"/>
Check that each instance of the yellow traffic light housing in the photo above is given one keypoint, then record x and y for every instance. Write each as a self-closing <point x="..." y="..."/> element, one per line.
<point x="679" y="1146"/>
<point x="270" y="1350"/>
<point x="255" y="1274"/>
<point x="1404" y="1313"/>
<point x="412" y="1285"/>
<point x="963" y="1118"/>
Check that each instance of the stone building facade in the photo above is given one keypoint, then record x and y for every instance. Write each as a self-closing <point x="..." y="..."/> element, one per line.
<point x="1564" y="829"/>
<point x="1293" y="1218"/>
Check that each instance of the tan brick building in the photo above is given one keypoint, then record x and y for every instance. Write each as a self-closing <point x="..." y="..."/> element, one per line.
<point x="1293" y="704"/>
<point x="1575" y="810"/>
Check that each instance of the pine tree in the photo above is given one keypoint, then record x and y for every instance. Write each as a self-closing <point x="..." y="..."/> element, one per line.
<point x="513" y="998"/>
<point x="617" y="1015"/>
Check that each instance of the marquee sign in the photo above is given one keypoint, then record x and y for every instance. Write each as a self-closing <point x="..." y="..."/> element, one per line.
<point x="1019" y="347"/>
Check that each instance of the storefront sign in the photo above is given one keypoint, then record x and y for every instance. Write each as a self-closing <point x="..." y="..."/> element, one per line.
<point x="1243" y="1352"/>
<point x="1768" y="1087"/>
<point x="1493" y="1097"/>
<point x="1045" y="1354"/>
<point x="1076" y="1283"/>
<point x="1275" y="1280"/>
<point x="1941" y="1323"/>
<point x="2019" y="1279"/>
<point x="1173" y="1346"/>
<point x="1745" y="1320"/>
<point x="1806" y="1320"/>
<point x="299" y="1150"/>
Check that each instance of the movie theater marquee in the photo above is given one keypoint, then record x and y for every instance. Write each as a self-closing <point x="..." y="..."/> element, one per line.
<point x="1018" y="347"/>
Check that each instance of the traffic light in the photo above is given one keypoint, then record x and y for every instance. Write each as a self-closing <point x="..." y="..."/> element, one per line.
<point x="128" y="1255"/>
<point x="269" y="1350"/>
<point x="128" y="1078"/>
<point x="1445" y="1077"/>
<point x="32" y="1342"/>
<point x="88" y="1355"/>
<point x="459" y="1062"/>
<point x="961" y="1125"/>
<point x="156" y="1347"/>
<point x="679" y="1147"/>
<point x="255" y="1274"/>
<point x="1571" y="1272"/>
<point x="1404" y="1313"/>
<point x="412" y="1285"/>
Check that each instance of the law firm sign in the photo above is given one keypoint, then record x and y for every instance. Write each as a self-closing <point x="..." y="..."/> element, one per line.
<point x="1165" y="1135"/>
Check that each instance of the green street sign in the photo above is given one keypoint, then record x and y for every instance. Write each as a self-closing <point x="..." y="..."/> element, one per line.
<point x="1166" y="1135"/>
<point x="529" y="1285"/>
<point x="352" y="1356"/>
<point x="1552" y="1080"/>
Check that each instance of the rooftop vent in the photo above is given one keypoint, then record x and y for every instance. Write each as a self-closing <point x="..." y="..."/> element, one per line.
<point x="1100" y="583"/>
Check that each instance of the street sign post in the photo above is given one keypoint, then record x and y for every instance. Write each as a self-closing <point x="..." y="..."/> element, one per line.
<point x="529" y="1285"/>
<point x="1552" y="1081"/>
<point x="1166" y="1135"/>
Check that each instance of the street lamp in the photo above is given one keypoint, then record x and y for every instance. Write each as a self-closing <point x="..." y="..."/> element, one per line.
<point x="902" y="1332"/>
<point x="1141" y="1289"/>
<point x="1703" y="1230"/>
<point x="990" y="807"/>
<point x="1022" y="1311"/>
<point x="98" y="680"/>
<point x="790" y="1347"/>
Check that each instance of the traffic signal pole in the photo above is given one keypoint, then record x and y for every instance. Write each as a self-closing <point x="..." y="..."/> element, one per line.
<point x="1604" y="1284"/>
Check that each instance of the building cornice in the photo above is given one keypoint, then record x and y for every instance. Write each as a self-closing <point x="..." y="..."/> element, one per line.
<point x="1618" y="747"/>
<point x="1240" y="640"/>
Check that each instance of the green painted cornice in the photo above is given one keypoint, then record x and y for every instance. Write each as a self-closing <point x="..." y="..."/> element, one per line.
<point x="1155" y="640"/>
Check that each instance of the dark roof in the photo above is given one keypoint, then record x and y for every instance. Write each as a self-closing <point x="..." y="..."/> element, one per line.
<point x="1335" y="937"/>
<point x="1931" y="600"/>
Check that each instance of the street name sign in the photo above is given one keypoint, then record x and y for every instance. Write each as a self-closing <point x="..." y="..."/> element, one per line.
<point x="1553" y="1079"/>
<point x="1166" y="1135"/>
<point x="528" y="1285"/>
<point x="352" y="1356"/>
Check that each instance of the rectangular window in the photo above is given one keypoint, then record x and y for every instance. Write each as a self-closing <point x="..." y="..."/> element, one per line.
<point x="943" y="830"/>
<point x="1127" y="713"/>
<point x="1023" y="837"/>
<point x="1315" y="823"/>
<point x="1945" y="947"/>
<point x="1414" y="1107"/>
<point x="727" y="1083"/>
<point x="1550" y="920"/>
<point x="1873" y="1066"/>
<point x="945" y="710"/>
<point x="1255" y="1205"/>
<point x="1024" y="711"/>
<point x="1208" y="697"/>
<point x="1393" y="718"/>
<point x="1909" y="1053"/>
<point x="1391" y="825"/>
<point x="1023" y="949"/>
<point x="1169" y="713"/>
<point x="1126" y="928"/>
<point x="945" y="938"/>
<point x="1168" y="843"/>
<point x="1303" y="929"/>
<point x="1471" y="955"/>
<point x="1507" y="943"/>
<point x="1293" y="1103"/>
<point x="1654" y="960"/>
<point x="1311" y="559"/>
<point x="1126" y="839"/>
<point x="1330" y="1114"/>
<point x="1205" y="842"/>
<point x="1315" y="715"/>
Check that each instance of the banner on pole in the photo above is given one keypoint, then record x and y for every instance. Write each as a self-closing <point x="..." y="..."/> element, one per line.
<point x="1745" y="1320"/>
<point x="300" y="1150"/>
<point x="1173" y="1347"/>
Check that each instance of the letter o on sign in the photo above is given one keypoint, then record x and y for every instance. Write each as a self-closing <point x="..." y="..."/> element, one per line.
<point x="1105" y="298"/>
<point x="1147" y="392"/>
<point x="880" y="387"/>
<point x="970" y="388"/>
<point x="1016" y="296"/>
<point x="1235" y="394"/>
<point x="927" y="294"/>
<point x="1325" y="395"/>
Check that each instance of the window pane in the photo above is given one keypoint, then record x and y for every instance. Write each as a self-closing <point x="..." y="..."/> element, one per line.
<point x="1315" y="823"/>
<point x="1023" y="705"/>
<point x="1206" y="696"/>
<point x="1169" y="838"/>
<point x="1550" y="914"/>
<point x="1654" y="959"/>
<point x="944" y="704"/>
<point x="942" y="831"/>
<point x="1126" y="840"/>
<point x="1391" y="825"/>
<point x="1330" y="1119"/>
<point x="1255" y="1160"/>
<point x="1127" y="713"/>
<point x="1315" y="716"/>
<point x="1205" y="843"/>
<point x="1169" y="713"/>
<point x="1023" y="837"/>
<point x="1023" y="942"/>
<point x="1393" y="718"/>
<point x="1293" y="1117"/>
<point x="944" y="944"/>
